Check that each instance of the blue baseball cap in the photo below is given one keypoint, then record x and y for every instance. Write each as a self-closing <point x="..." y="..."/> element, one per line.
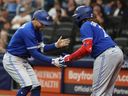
<point x="43" y="17"/>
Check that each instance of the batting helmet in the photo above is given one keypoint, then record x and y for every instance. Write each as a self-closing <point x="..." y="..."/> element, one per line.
<point x="82" y="12"/>
<point x="43" y="17"/>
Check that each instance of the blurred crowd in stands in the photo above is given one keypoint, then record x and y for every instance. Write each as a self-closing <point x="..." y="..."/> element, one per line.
<point x="111" y="14"/>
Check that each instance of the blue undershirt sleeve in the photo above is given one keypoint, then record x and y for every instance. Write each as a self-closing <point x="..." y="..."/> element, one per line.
<point x="49" y="47"/>
<point x="37" y="55"/>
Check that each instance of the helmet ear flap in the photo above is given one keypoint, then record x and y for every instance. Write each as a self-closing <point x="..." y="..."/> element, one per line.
<point x="78" y="17"/>
<point x="77" y="21"/>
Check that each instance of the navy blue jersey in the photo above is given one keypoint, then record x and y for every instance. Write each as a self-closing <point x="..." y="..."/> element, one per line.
<point x="25" y="41"/>
<point x="101" y="40"/>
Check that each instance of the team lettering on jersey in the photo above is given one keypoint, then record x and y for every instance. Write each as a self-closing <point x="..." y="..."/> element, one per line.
<point x="95" y="25"/>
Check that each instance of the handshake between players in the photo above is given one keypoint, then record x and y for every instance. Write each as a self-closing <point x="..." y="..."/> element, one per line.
<point x="60" y="61"/>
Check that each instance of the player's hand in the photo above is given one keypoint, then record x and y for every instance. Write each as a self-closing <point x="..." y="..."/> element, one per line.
<point x="62" y="42"/>
<point x="58" y="62"/>
<point x="66" y="58"/>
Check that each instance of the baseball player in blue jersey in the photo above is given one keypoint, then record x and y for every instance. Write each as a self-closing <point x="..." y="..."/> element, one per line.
<point x="27" y="42"/>
<point x="108" y="56"/>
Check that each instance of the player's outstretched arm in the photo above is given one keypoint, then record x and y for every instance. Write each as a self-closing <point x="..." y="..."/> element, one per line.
<point x="58" y="62"/>
<point x="59" y="44"/>
<point x="85" y="49"/>
<point x="62" y="42"/>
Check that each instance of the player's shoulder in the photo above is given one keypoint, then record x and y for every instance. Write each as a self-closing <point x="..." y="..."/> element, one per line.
<point x="25" y="30"/>
<point x="90" y="24"/>
<point x="86" y="25"/>
<point x="27" y="27"/>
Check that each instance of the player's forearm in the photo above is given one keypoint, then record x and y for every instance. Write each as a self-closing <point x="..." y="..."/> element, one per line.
<point x="85" y="49"/>
<point x="40" y="56"/>
<point x="81" y="52"/>
<point x="49" y="47"/>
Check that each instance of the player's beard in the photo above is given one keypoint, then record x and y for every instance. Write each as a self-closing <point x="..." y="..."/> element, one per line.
<point x="38" y="28"/>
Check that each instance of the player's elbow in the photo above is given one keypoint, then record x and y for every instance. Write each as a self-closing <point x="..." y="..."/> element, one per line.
<point x="87" y="46"/>
<point x="89" y="50"/>
<point x="33" y="52"/>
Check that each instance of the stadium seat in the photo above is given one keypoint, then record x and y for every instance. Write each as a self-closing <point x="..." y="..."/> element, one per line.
<point x="125" y="49"/>
<point x="48" y="34"/>
<point x="11" y="32"/>
<point x="124" y="28"/>
<point x="64" y="29"/>
<point x="121" y="41"/>
<point x="113" y="27"/>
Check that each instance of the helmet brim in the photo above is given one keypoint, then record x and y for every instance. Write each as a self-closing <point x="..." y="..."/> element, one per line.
<point x="75" y="15"/>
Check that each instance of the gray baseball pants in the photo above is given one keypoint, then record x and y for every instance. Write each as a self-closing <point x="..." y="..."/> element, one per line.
<point x="20" y="70"/>
<point x="105" y="71"/>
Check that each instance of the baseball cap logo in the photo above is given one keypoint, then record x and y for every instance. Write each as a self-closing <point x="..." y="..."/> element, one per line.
<point x="47" y="17"/>
<point x="91" y="15"/>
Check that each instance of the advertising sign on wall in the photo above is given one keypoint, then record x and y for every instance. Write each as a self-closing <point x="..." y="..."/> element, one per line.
<point x="79" y="81"/>
<point x="50" y="78"/>
<point x="76" y="80"/>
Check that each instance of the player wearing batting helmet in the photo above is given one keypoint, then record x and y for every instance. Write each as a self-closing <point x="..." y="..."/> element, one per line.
<point x="96" y="42"/>
<point x="27" y="42"/>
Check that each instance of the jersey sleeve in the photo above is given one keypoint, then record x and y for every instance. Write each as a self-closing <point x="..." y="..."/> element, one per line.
<point x="49" y="47"/>
<point x="86" y="32"/>
<point x="29" y="39"/>
<point x="85" y="49"/>
<point x="32" y="46"/>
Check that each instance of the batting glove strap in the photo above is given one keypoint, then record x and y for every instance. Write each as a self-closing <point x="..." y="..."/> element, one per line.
<point x="67" y="58"/>
<point x="58" y="62"/>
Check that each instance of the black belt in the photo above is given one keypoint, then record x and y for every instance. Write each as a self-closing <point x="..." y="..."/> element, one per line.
<point x="23" y="57"/>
